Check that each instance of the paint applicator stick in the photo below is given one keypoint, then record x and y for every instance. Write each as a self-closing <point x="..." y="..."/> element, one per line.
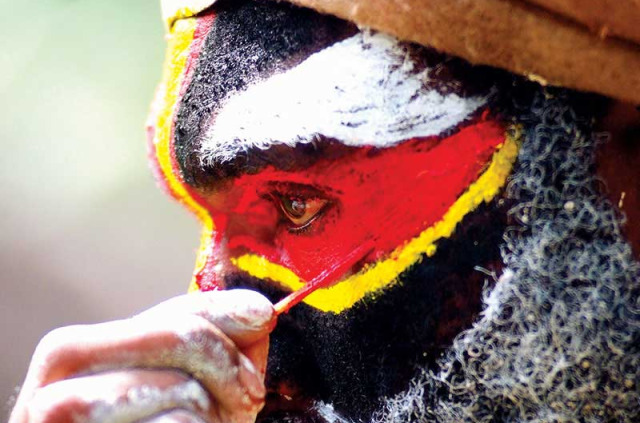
<point x="324" y="279"/>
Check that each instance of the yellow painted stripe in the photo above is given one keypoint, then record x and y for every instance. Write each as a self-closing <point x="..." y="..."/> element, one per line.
<point x="177" y="55"/>
<point x="178" y="49"/>
<point x="379" y="275"/>
<point x="173" y="10"/>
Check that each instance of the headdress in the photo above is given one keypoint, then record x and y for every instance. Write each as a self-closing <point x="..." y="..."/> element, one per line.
<point x="590" y="46"/>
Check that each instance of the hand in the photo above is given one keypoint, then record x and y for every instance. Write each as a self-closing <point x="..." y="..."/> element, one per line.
<point x="198" y="357"/>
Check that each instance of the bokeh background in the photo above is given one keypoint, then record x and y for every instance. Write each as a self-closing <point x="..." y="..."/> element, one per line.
<point x="85" y="234"/>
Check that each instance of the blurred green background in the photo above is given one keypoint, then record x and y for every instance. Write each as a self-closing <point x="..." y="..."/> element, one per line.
<point x="85" y="234"/>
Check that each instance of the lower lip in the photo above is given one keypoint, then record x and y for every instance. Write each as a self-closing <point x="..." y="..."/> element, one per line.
<point x="282" y="409"/>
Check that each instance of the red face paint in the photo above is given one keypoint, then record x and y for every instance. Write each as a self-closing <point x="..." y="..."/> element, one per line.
<point x="382" y="196"/>
<point x="324" y="279"/>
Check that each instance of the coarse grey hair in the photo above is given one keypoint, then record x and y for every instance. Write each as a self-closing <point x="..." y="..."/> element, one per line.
<point x="559" y="337"/>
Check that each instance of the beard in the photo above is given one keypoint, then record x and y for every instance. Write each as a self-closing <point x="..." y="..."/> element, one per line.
<point x="555" y="338"/>
<point x="559" y="335"/>
<point x="343" y="365"/>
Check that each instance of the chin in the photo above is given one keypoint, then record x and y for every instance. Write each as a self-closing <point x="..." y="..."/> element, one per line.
<point x="279" y="409"/>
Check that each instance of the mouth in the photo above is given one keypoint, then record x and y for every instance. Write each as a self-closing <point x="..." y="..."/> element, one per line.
<point x="282" y="408"/>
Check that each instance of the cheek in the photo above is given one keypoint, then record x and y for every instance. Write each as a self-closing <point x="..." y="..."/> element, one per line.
<point x="386" y="211"/>
<point x="389" y="198"/>
<point x="386" y="197"/>
<point x="371" y="207"/>
<point x="336" y="233"/>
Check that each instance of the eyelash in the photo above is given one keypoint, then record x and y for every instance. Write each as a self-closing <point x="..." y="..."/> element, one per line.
<point x="299" y="230"/>
<point x="302" y="229"/>
<point x="277" y="197"/>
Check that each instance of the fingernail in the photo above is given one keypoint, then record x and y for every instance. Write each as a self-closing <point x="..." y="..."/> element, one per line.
<point x="241" y="309"/>
<point x="250" y="308"/>
<point x="250" y="379"/>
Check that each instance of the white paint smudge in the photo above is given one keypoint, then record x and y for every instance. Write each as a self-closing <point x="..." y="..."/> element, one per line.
<point x="144" y="401"/>
<point x="363" y="91"/>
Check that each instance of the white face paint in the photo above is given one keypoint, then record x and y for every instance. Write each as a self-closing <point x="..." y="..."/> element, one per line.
<point x="363" y="91"/>
<point x="328" y="413"/>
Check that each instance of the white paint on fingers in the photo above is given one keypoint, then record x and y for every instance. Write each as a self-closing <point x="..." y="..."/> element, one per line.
<point x="144" y="401"/>
<point x="126" y="395"/>
<point x="243" y="315"/>
<point x="192" y="345"/>
<point x="176" y="416"/>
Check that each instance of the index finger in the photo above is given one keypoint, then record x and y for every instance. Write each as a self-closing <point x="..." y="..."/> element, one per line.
<point x="244" y="316"/>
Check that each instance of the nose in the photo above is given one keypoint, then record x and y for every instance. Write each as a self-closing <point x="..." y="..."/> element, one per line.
<point x="253" y="230"/>
<point x="244" y="230"/>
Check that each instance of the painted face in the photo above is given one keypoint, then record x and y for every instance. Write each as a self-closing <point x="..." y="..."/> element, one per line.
<point x="298" y="139"/>
<point x="292" y="226"/>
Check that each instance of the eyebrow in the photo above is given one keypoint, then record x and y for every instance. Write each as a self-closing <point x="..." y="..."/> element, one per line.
<point x="210" y="175"/>
<point x="280" y="156"/>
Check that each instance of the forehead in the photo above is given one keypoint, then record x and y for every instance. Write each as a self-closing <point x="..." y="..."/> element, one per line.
<point x="247" y="41"/>
<point x="332" y="91"/>
<point x="273" y="75"/>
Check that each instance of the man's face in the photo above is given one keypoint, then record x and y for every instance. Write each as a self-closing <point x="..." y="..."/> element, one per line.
<point x="298" y="139"/>
<point x="307" y="220"/>
<point x="313" y="142"/>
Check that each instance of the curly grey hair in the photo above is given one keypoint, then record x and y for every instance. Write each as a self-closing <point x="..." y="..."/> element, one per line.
<point x="559" y="337"/>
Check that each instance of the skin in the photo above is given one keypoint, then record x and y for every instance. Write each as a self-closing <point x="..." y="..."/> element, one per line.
<point x="215" y="343"/>
<point x="306" y="220"/>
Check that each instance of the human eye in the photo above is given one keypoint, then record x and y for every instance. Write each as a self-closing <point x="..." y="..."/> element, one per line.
<point x="300" y="207"/>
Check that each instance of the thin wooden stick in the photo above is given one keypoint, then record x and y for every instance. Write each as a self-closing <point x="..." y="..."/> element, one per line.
<point x="324" y="279"/>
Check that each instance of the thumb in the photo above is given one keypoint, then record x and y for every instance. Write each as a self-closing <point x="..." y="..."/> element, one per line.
<point x="246" y="317"/>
